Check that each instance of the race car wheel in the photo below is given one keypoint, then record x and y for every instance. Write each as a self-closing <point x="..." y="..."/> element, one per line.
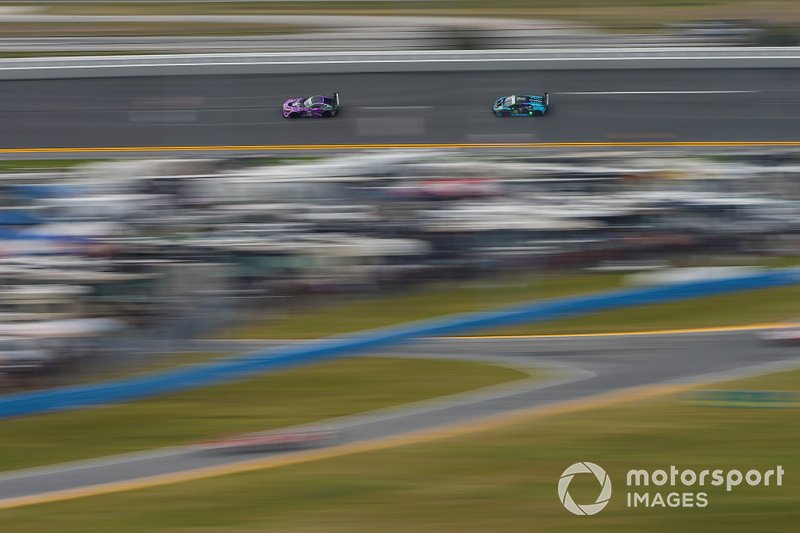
<point x="293" y="115"/>
<point x="327" y="114"/>
<point x="504" y="114"/>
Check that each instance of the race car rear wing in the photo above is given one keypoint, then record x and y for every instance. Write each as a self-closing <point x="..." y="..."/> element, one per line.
<point x="546" y="99"/>
<point x="336" y="99"/>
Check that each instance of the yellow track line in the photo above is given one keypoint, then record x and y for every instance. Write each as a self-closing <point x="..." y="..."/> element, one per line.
<point x="679" y="331"/>
<point x="489" y="423"/>
<point x="289" y="147"/>
<point x="714" y="329"/>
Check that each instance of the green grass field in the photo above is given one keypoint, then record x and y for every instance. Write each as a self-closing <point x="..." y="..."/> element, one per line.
<point x="32" y="165"/>
<point x="502" y="480"/>
<point x="115" y="370"/>
<point x="322" y="391"/>
<point x="763" y="306"/>
<point x="473" y="296"/>
<point x="769" y="305"/>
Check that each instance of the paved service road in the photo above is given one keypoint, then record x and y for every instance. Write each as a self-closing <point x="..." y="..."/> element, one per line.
<point x="589" y="366"/>
<point x="434" y="107"/>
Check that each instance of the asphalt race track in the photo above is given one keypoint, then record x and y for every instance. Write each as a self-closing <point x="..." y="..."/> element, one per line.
<point x="630" y="106"/>
<point x="588" y="366"/>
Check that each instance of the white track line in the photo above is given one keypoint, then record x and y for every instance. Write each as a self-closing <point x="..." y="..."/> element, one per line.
<point x="656" y="92"/>
<point x="381" y="108"/>
<point x="62" y="65"/>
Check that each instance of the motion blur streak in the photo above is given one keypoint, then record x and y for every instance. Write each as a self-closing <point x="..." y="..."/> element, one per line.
<point x="398" y="146"/>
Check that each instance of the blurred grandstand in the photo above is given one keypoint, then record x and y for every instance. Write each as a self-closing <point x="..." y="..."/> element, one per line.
<point x="111" y="260"/>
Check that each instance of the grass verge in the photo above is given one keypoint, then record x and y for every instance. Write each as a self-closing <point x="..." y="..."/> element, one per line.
<point x="28" y="165"/>
<point x="500" y="481"/>
<point x="282" y="399"/>
<point x="475" y="296"/>
<point x="762" y="306"/>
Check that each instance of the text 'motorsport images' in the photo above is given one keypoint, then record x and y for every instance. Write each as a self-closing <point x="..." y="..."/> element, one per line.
<point x="522" y="106"/>
<point x="316" y="106"/>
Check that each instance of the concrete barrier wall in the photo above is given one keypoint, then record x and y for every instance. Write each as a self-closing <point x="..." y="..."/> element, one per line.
<point x="402" y="61"/>
<point x="236" y="367"/>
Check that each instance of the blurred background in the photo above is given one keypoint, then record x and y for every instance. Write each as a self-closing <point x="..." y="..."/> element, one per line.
<point x="70" y="27"/>
<point x="99" y="272"/>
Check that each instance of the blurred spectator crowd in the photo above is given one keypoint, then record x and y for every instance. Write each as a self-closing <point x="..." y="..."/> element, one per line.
<point x="115" y="258"/>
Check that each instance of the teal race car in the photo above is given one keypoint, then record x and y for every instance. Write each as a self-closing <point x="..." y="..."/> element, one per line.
<point x="522" y="106"/>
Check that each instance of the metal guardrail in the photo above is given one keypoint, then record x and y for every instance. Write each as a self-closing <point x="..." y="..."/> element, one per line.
<point x="231" y="368"/>
<point x="408" y="60"/>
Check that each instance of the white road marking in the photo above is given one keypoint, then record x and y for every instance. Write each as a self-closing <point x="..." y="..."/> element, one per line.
<point x="657" y="92"/>
<point x="388" y="125"/>
<point x="381" y="108"/>
<point x="173" y="61"/>
<point x="500" y="137"/>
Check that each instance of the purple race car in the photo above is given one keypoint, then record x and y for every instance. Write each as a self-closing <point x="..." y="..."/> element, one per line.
<point x="313" y="106"/>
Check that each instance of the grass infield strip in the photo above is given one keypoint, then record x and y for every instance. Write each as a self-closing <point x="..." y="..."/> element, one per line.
<point x="283" y="399"/>
<point x="499" y="480"/>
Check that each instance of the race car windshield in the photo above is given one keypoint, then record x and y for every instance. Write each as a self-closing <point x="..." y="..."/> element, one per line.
<point x="509" y="100"/>
<point x="312" y="100"/>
